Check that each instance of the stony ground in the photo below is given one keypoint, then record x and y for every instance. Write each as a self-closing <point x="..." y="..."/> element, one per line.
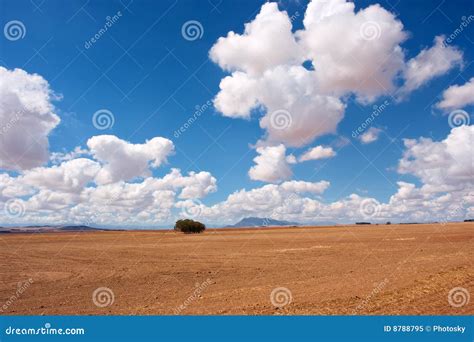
<point x="396" y="269"/>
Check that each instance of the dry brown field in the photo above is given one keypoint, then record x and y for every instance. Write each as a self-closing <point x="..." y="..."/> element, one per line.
<point x="344" y="270"/>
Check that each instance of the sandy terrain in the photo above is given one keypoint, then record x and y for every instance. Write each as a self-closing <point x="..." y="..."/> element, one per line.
<point x="397" y="269"/>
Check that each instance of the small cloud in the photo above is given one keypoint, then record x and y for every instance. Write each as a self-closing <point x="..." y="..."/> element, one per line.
<point x="318" y="152"/>
<point x="370" y="136"/>
<point x="291" y="159"/>
<point x="59" y="157"/>
<point x="458" y="96"/>
<point x="429" y="64"/>
<point x="271" y="165"/>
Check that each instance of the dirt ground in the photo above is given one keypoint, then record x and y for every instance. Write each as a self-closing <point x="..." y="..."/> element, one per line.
<point x="396" y="269"/>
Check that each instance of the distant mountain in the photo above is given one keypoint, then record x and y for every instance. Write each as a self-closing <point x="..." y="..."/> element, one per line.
<point x="49" y="229"/>
<point x="261" y="222"/>
<point x="78" y="228"/>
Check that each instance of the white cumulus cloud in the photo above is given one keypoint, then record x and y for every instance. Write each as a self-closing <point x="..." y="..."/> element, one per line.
<point x="318" y="152"/>
<point x="123" y="160"/>
<point x="458" y="96"/>
<point x="353" y="51"/>
<point x="70" y="176"/>
<point x="27" y="116"/>
<point x="441" y="165"/>
<point x="430" y="63"/>
<point x="371" y="135"/>
<point x="267" y="42"/>
<point x="271" y="165"/>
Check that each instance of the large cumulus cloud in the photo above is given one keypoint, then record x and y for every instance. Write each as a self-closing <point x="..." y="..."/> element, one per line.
<point x="27" y="116"/>
<point x="125" y="161"/>
<point x="301" y="80"/>
<point x="266" y="63"/>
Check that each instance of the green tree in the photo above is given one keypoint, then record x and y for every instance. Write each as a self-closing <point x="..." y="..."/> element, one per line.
<point x="188" y="226"/>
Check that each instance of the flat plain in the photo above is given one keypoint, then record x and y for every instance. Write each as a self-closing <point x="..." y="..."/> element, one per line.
<point x="344" y="270"/>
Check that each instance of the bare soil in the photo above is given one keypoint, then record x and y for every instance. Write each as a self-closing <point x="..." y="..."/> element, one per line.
<point x="343" y="270"/>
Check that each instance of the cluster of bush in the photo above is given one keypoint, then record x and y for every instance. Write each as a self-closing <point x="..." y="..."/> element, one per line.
<point x="189" y="226"/>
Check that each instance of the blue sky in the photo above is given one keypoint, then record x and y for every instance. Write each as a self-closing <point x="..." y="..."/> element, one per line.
<point x="152" y="79"/>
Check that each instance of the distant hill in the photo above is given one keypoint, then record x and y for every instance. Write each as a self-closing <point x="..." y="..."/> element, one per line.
<point x="261" y="222"/>
<point x="46" y="228"/>
<point x="79" y="228"/>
